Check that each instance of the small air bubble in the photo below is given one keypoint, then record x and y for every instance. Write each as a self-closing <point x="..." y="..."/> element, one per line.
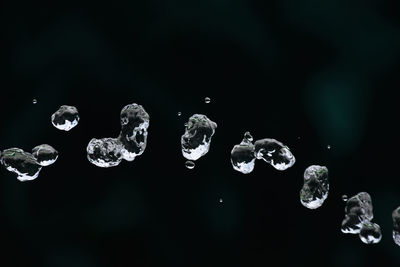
<point x="221" y="200"/>
<point x="34" y="101"/>
<point x="328" y="146"/>
<point x="207" y="100"/>
<point x="179" y="113"/>
<point x="345" y="198"/>
<point x="189" y="164"/>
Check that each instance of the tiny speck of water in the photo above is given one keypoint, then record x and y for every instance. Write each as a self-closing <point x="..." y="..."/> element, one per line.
<point x="34" y="101"/>
<point x="221" y="200"/>
<point x="207" y="100"/>
<point x="328" y="146"/>
<point x="179" y="113"/>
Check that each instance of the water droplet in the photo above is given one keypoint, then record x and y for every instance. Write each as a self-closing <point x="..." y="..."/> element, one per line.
<point x="190" y="164"/>
<point x="328" y="146"/>
<point x="207" y="100"/>
<point x="196" y="140"/>
<point x="34" y="101"/>
<point x="274" y="153"/>
<point x="221" y="200"/>
<point x="179" y="113"/>
<point x="316" y="187"/>
<point x="345" y="198"/>
<point x="298" y="137"/>
<point x="65" y="118"/>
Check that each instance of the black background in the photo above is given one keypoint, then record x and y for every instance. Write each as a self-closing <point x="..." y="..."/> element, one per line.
<point x="307" y="73"/>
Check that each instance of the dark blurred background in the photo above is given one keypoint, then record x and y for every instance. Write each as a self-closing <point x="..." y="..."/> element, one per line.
<point x="308" y="73"/>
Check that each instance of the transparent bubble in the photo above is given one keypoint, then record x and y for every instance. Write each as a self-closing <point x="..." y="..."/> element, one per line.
<point x="274" y="153"/>
<point x="23" y="164"/>
<point x="328" y="146"/>
<point x="396" y="225"/>
<point x="370" y="233"/>
<point x="105" y="152"/>
<point x="221" y="200"/>
<point x="358" y="210"/>
<point x="196" y="140"/>
<point x="34" y="101"/>
<point x="190" y="164"/>
<point x="133" y="136"/>
<point x="45" y="154"/>
<point x="179" y="113"/>
<point x="242" y="155"/>
<point x="65" y="118"/>
<point x="316" y="187"/>
<point x="248" y="136"/>
<point x="207" y="100"/>
<point x="344" y="198"/>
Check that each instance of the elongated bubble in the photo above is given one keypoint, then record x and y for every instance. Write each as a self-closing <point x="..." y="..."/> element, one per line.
<point x="45" y="154"/>
<point x="396" y="226"/>
<point x="370" y="233"/>
<point x="105" y="152"/>
<point x="196" y="140"/>
<point x="358" y="210"/>
<point x="274" y="153"/>
<point x="133" y="135"/>
<point x="316" y="187"/>
<point x="23" y="164"/>
<point x="65" y="118"/>
<point x="242" y="155"/>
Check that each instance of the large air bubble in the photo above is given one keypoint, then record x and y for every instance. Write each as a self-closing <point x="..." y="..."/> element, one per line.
<point x="316" y="187"/>
<point x="196" y="140"/>
<point x="65" y="118"/>
<point x="274" y="153"/>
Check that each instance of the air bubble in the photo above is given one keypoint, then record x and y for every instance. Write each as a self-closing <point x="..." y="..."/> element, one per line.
<point x="242" y="155"/>
<point x="316" y="187"/>
<point x="34" y="101"/>
<point x="396" y="226"/>
<point x="105" y="152"/>
<point x="370" y="233"/>
<point x="45" y="154"/>
<point x="65" y="118"/>
<point x="274" y="153"/>
<point x="207" y="100"/>
<point x="179" y="114"/>
<point x="196" y="140"/>
<point x="328" y="146"/>
<point x="345" y="198"/>
<point x="131" y="142"/>
<point x="358" y="216"/>
<point x="22" y="163"/>
<point x="221" y="200"/>
<point x="190" y="164"/>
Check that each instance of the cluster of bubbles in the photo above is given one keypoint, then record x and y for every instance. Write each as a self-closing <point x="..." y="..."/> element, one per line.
<point x="131" y="142"/>
<point x="195" y="143"/>
<point x="315" y="188"/>
<point x="196" y="140"/>
<point x="275" y="153"/>
<point x="65" y="118"/>
<point x="26" y="165"/>
<point x="358" y="216"/>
